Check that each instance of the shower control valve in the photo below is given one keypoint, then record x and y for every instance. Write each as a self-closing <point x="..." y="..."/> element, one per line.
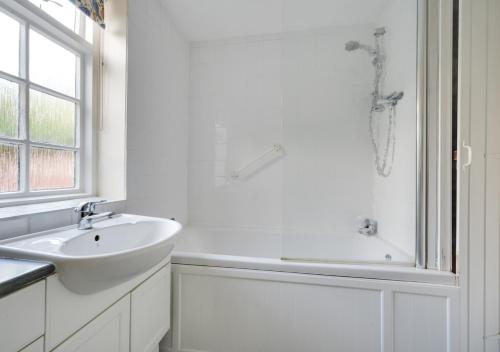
<point x="367" y="226"/>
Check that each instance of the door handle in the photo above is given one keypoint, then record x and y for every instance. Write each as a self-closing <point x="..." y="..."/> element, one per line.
<point x="468" y="148"/>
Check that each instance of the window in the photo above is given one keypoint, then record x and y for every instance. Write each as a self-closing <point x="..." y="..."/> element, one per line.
<point x="67" y="14"/>
<point x="45" y="99"/>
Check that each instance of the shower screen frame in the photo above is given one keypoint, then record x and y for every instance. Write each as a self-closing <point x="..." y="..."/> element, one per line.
<point x="433" y="248"/>
<point x="421" y="187"/>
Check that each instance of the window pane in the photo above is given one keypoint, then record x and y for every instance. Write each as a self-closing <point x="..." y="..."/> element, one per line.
<point x="61" y="10"/>
<point x="9" y="37"/>
<point x="9" y="108"/>
<point x="89" y="30"/>
<point x="52" y="120"/>
<point x="66" y="13"/>
<point x="9" y="168"/>
<point x="51" y="65"/>
<point x="51" y="169"/>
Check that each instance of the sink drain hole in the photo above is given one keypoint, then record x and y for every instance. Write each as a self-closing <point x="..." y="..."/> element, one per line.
<point x="97" y="238"/>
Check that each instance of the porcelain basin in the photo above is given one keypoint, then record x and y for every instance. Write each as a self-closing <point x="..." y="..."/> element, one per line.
<point x="114" y="251"/>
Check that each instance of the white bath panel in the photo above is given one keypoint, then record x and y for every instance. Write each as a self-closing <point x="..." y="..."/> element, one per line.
<point x="226" y="314"/>
<point x="420" y="323"/>
<point x="228" y="310"/>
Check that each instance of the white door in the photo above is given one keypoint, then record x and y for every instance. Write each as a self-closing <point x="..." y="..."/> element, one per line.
<point x="109" y="332"/>
<point x="479" y="175"/>
<point x="22" y="316"/>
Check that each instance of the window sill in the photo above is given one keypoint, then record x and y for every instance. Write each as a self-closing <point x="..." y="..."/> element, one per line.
<point x="10" y="209"/>
<point x="14" y="202"/>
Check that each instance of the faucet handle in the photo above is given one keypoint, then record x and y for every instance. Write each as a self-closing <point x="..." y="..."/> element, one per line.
<point x="88" y="207"/>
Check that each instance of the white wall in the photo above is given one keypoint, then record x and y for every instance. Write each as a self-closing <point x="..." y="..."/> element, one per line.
<point x="395" y="196"/>
<point x="304" y="91"/>
<point x="158" y="71"/>
<point x="157" y="112"/>
<point x="36" y="218"/>
<point x="327" y="181"/>
<point x="202" y="20"/>
<point x="112" y="110"/>
<point x="235" y="116"/>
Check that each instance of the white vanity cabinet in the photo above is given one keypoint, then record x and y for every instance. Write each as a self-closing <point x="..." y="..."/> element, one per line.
<point x="110" y="331"/>
<point x="46" y="317"/>
<point x="135" y="323"/>
<point x="133" y="316"/>
<point x="150" y="312"/>
<point x="22" y="317"/>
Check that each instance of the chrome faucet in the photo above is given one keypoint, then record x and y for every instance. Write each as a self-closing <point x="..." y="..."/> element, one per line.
<point x="87" y="214"/>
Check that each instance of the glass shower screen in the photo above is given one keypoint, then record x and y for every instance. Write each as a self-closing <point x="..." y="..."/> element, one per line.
<point x="348" y="135"/>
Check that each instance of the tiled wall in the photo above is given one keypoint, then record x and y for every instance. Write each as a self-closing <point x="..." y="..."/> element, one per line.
<point x="303" y="91"/>
<point x="45" y="220"/>
<point x="394" y="197"/>
<point x="157" y="113"/>
<point x="34" y="223"/>
<point x="327" y="179"/>
<point x="236" y="115"/>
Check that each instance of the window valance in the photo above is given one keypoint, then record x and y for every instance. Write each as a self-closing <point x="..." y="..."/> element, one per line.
<point x="92" y="8"/>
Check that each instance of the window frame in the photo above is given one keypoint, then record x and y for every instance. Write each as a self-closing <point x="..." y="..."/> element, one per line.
<point x="31" y="17"/>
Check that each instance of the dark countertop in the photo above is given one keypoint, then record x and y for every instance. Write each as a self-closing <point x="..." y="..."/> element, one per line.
<point x="17" y="273"/>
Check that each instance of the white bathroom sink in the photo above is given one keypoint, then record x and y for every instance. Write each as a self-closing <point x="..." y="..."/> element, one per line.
<point x="89" y="261"/>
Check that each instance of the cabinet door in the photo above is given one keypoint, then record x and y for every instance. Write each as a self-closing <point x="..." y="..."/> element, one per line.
<point x="22" y="316"/>
<point x="108" y="332"/>
<point x="150" y="312"/>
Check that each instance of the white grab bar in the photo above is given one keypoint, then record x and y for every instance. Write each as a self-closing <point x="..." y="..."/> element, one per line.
<point x="492" y="337"/>
<point x="275" y="149"/>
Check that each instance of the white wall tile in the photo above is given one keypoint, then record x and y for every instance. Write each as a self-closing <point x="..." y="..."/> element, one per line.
<point x="235" y="116"/>
<point x="420" y="323"/>
<point x="238" y="90"/>
<point x="306" y="92"/>
<point x="394" y="196"/>
<point x="14" y="227"/>
<point x="157" y="144"/>
<point x="47" y="221"/>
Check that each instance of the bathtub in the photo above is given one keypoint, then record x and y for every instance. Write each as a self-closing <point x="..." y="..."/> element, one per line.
<point x="232" y="292"/>
<point x="355" y="255"/>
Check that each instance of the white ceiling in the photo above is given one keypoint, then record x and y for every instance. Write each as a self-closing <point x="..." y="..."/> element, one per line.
<point x="201" y="20"/>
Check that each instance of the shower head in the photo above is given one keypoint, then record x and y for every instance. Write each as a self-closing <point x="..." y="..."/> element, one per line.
<point x="352" y="45"/>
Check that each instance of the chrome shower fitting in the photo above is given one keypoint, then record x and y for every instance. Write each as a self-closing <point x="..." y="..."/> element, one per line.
<point x="354" y="45"/>
<point x="380" y="31"/>
<point x="367" y="226"/>
<point x="380" y="104"/>
<point x="393" y="98"/>
<point x="379" y="101"/>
